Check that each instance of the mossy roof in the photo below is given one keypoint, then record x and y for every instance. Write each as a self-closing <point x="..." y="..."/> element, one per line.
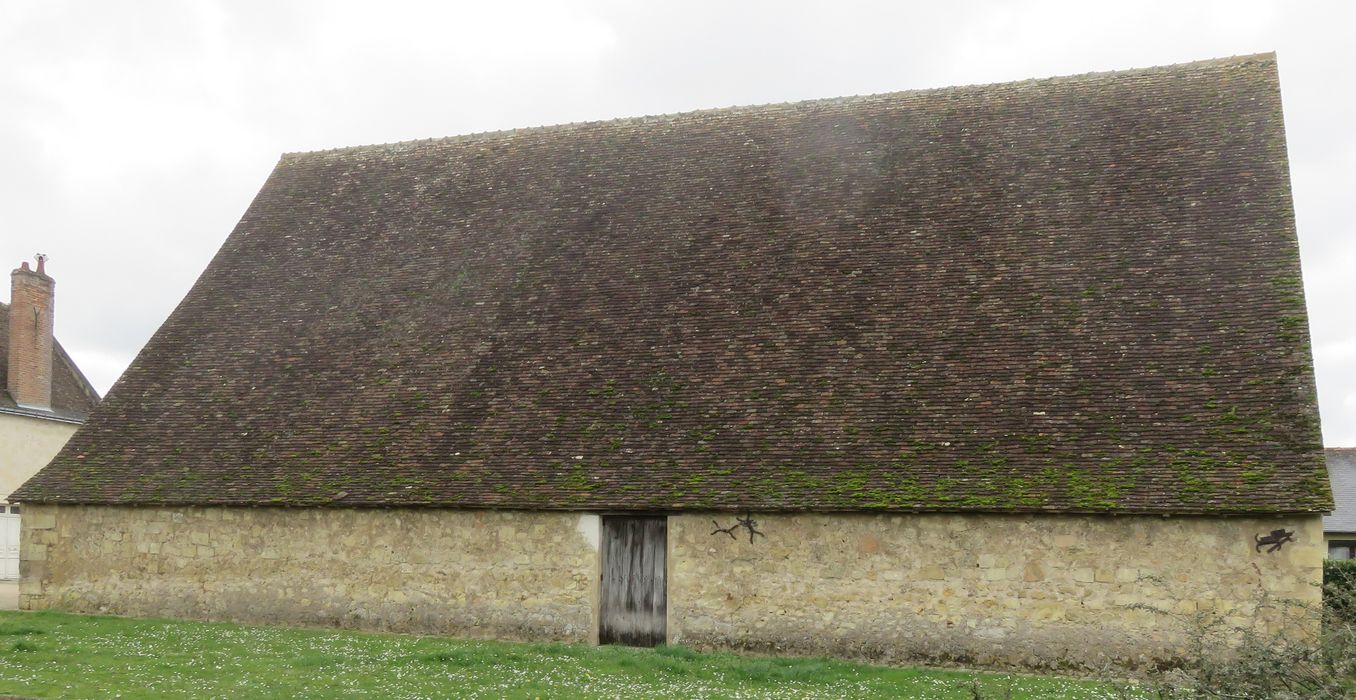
<point x="1079" y="294"/>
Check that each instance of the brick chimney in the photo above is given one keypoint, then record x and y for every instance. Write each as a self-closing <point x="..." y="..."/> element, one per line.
<point x="30" y="336"/>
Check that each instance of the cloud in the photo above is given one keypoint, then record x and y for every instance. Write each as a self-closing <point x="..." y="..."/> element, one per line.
<point x="135" y="134"/>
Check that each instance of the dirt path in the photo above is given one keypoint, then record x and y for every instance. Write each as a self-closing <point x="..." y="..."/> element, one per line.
<point x="9" y="595"/>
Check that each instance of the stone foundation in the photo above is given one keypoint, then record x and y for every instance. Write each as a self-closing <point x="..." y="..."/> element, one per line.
<point x="1023" y="590"/>
<point x="1034" y="591"/>
<point x="467" y="573"/>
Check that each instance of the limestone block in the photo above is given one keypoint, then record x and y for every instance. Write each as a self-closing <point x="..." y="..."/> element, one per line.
<point x="932" y="572"/>
<point x="1306" y="556"/>
<point x="34" y="552"/>
<point x="39" y="518"/>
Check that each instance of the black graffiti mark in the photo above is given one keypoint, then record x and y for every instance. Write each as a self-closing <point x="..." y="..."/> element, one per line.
<point x="727" y="530"/>
<point x="747" y="522"/>
<point x="1275" y="539"/>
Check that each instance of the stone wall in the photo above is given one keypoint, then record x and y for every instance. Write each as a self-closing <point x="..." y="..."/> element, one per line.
<point x="1035" y="591"/>
<point x="470" y="573"/>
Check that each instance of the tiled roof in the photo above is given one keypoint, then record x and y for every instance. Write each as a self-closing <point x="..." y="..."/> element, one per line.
<point x="1068" y="295"/>
<point x="72" y="395"/>
<point x="1342" y="471"/>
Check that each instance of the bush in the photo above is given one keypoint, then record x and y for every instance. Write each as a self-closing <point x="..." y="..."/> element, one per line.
<point x="1339" y="589"/>
<point x="1254" y="663"/>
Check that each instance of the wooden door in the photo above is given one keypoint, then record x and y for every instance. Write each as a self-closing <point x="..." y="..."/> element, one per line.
<point x="633" y="603"/>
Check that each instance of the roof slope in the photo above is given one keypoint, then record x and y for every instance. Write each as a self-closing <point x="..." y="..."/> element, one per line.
<point x="1342" y="470"/>
<point x="73" y="397"/>
<point x="1078" y="294"/>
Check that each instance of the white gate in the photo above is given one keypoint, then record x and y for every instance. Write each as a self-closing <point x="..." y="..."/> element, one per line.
<point x="9" y="543"/>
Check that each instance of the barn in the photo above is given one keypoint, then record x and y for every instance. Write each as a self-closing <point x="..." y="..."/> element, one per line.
<point x="989" y="374"/>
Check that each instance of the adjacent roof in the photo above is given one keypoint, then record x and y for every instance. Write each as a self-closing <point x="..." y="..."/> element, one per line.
<point x="1069" y="295"/>
<point x="1342" y="471"/>
<point x="73" y="397"/>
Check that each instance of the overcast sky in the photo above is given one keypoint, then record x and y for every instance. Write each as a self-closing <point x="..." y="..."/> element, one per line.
<point x="134" y="134"/>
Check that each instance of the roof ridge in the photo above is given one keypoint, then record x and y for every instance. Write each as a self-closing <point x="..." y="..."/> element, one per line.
<point x="1243" y="59"/>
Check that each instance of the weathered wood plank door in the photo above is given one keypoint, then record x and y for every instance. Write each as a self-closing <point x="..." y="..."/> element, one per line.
<point x="633" y="606"/>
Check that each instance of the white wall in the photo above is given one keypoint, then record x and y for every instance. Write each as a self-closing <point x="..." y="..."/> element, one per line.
<point x="27" y="445"/>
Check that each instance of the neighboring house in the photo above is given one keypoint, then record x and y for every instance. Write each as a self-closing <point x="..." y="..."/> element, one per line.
<point x="966" y="374"/>
<point x="45" y="397"/>
<point x="1339" y="528"/>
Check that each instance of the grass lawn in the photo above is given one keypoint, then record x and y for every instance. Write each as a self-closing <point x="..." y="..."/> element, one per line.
<point x="53" y="655"/>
